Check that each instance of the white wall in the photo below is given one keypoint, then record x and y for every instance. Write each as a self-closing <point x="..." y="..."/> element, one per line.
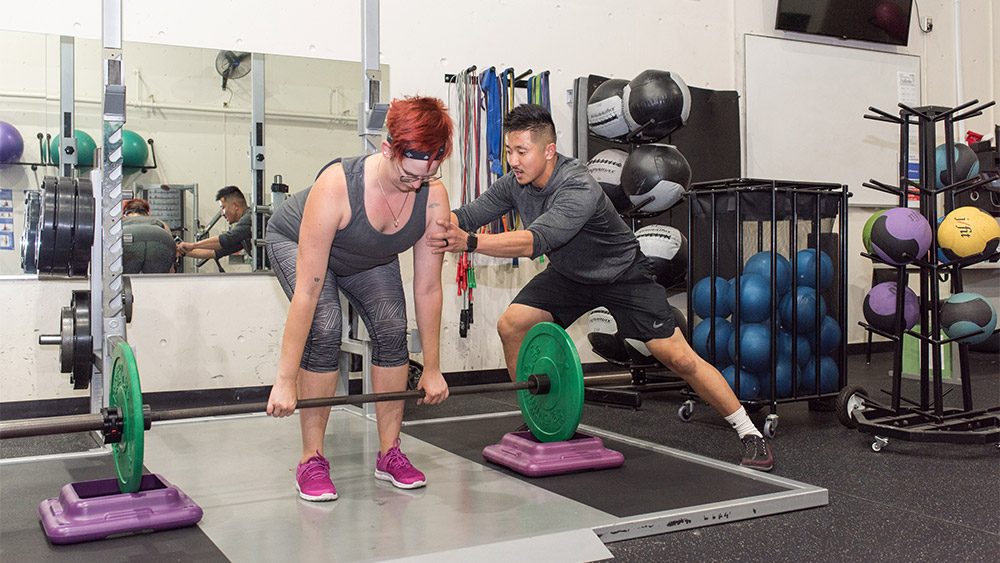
<point x="701" y="40"/>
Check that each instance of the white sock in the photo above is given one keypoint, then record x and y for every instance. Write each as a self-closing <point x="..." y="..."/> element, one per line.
<point x="742" y="424"/>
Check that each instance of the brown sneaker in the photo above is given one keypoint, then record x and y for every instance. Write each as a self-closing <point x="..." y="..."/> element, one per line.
<point x="757" y="453"/>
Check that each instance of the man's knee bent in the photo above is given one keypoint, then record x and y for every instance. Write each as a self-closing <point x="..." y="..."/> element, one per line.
<point x="517" y="320"/>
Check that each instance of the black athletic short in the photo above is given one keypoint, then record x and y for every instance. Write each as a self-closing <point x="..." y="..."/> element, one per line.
<point x="637" y="303"/>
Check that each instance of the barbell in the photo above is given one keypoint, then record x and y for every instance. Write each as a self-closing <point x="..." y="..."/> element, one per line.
<point x="549" y="384"/>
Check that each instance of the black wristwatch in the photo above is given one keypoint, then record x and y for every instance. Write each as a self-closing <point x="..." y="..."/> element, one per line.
<point x="471" y="243"/>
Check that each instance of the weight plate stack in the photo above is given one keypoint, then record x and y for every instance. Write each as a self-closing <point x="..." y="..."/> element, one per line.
<point x="66" y="225"/>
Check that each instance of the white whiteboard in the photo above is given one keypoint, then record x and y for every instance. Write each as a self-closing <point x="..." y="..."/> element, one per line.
<point x="804" y="108"/>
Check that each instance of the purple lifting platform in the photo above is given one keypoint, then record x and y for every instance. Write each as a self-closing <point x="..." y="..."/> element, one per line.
<point x="94" y="510"/>
<point x="523" y="453"/>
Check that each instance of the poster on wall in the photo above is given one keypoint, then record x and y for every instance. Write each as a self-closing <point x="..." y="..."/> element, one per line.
<point x="6" y="219"/>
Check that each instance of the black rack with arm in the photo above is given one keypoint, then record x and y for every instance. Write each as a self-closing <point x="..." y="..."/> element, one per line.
<point x="926" y="419"/>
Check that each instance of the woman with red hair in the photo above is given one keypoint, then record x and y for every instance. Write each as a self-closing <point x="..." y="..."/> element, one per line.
<point x="344" y="234"/>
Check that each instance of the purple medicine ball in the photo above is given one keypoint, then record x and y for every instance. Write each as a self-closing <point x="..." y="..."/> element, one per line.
<point x="880" y="307"/>
<point x="900" y="235"/>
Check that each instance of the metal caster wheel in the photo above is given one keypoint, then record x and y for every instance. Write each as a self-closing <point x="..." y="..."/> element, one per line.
<point x="771" y="426"/>
<point x="686" y="411"/>
<point x="879" y="443"/>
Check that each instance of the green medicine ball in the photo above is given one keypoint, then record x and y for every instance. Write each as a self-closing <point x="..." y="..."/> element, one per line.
<point x="866" y="233"/>
<point x="134" y="151"/>
<point x="85" y="148"/>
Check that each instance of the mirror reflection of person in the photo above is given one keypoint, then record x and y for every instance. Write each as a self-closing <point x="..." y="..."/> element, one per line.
<point x="149" y="246"/>
<point x="234" y="210"/>
<point x="344" y="234"/>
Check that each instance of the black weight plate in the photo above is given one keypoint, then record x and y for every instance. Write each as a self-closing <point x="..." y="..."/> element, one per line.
<point x="46" y="237"/>
<point x="29" y="235"/>
<point x="127" y="298"/>
<point x="65" y="219"/>
<point x="83" y="342"/>
<point x="66" y="340"/>
<point x="83" y="230"/>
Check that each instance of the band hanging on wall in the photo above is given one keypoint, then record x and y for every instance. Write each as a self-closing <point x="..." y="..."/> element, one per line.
<point x="483" y="100"/>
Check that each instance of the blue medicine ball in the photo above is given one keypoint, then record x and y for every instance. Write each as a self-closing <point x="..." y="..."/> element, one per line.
<point x="749" y="383"/>
<point x="829" y="376"/>
<point x="805" y="266"/>
<point x="829" y="336"/>
<point x="755" y="298"/>
<point x="755" y="347"/>
<point x="783" y="378"/>
<point x="965" y="314"/>
<point x="760" y="264"/>
<point x="803" y="351"/>
<point x="701" y="298"/>
<point x="805" y="302"/>
<point x="700" y="341"/>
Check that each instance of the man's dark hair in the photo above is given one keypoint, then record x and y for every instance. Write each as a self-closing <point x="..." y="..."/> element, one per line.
<point x="533" y="118"/>
<point x="230" y="193"/>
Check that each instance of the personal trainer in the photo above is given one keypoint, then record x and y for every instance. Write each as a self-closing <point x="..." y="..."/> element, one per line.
<point x="234" y="209"/>
<point x="594" y="261"/>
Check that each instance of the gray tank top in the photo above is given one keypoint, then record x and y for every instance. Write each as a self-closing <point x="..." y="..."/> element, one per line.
<point x="358" y="246"/>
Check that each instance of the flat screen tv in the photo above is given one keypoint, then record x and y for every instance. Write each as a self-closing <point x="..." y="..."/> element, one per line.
<point x="879" y="21"/>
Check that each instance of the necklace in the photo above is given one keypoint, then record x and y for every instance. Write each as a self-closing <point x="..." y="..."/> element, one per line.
<point x="395" y="216"/>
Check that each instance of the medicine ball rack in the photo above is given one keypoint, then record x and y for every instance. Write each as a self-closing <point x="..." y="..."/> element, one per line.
<point x="927" y="420"/>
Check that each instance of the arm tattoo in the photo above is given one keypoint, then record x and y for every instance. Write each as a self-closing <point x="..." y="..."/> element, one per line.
<point x="433" y="205"/>
<point x="316" y="279"/>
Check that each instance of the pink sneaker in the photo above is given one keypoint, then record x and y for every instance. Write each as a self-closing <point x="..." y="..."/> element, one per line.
<point x="395" y="467"/>
<point x="312" y="479"/>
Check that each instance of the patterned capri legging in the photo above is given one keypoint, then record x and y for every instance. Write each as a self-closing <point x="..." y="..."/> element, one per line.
<point x="377" y="295"/>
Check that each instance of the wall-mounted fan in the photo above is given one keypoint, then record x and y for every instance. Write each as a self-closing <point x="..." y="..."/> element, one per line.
<point x="232" y="64"/>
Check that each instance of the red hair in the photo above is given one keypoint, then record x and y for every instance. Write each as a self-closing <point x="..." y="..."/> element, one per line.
<point x="420" y="123"/>
<point x="136" y="205"/>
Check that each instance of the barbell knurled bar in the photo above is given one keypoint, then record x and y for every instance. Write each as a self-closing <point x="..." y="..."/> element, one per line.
<point x="50" y="425"/>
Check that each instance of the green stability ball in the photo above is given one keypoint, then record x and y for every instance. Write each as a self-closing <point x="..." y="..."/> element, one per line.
<point x="85" y="148"/>
<point x="134" y="151"/>
<point x="866" y="233"/>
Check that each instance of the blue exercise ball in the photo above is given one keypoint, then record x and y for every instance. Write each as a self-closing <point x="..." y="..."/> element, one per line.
<point x="803" y="351"/>
<point x="755" y="347"/>
<point x="805" y="267"/>
<point x="700" y="341"/>
<point x="805" y="300"/>
<point x="783" y="378"/>
<point x="760" y="264"/>
<point x="829" y="336"/>
<point x="829" y="376"/>
<point x="701" y="298"/>
<point x="755" y="298"/>
<point x="749" y="384"/>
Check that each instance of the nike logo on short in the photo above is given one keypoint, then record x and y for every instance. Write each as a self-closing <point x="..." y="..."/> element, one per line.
<point x="657" y="325"/>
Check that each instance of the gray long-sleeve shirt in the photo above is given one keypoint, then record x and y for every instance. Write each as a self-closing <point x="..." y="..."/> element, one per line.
<point x="237" y="237"/>
<point x="572" y="221"/>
